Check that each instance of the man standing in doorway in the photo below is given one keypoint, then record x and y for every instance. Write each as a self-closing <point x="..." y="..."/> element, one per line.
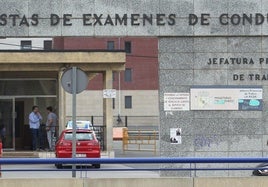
<point x="51" y="128"/>
<point x="34" y="122"/>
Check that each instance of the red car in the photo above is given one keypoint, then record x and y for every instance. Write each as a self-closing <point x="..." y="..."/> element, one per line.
<point x="87" y="145"/>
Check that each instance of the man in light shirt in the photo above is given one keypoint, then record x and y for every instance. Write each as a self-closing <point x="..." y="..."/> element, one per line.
<point x="34" y="122"/>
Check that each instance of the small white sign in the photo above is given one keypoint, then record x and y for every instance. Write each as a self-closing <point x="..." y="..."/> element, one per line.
<point x="176" y="101"/>
<point x="250" y="93"/>
<point x="109" y="93"/>
<point x="175" y="135"/>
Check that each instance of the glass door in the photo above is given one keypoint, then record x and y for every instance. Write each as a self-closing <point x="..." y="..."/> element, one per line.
<point x="7" y="123"/>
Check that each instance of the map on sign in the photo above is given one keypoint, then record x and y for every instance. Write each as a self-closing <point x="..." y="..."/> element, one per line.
<point x="226" y="98"/>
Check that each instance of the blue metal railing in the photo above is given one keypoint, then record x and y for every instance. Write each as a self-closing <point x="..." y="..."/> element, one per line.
<point x="154" y="160"/>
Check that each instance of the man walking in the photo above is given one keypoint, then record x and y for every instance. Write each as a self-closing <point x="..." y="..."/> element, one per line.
<point x="34" y="122"/>
<point x="51" y="128"/>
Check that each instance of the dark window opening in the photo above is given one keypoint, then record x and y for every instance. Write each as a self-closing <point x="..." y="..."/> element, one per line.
<point x="128" y="75"/>
<point x="128" y="47"/>
<point x="128" y="101"/>
<point x="47" y="44"/>
<point x="26" y="45"/>
<point x="113" y="103"/>
<point x="110" y="45"/>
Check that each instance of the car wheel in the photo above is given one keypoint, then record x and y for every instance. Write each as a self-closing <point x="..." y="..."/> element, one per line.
<point x="96" y="165"/>
<point x="58" y="166"/>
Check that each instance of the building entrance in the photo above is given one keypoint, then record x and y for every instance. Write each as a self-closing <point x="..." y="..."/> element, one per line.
<point x="15" y="109"/>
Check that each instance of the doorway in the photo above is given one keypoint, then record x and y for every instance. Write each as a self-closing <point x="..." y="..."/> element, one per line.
<point x="7" y="122"/>
<point x="17" y="97"/>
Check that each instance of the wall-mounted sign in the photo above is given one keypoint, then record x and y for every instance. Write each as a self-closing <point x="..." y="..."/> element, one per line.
<point x="176" y="101"/>
<point x="109" y="93"/>
<point x="226" y="98"/>
<point x="175" y="135"/>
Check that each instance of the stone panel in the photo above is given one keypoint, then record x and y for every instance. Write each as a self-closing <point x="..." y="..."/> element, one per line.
<point x="214" y="28"/>
<point x="141" y="7"/>
<point x="176" y="60"/>
<point x="181" y="8"/>
<point x="246" y="126"/>
<point x="14" y="7"/>
<point x="181" y="28"/>
<point x="172" y="44"/>
<point x="176" y="77"/>
<point x="214" y="7"/>
<point x="245" y="143"/>
<point x="211" y="45"/>
<point x="210" y="77"/>
<point x="45" y="8"/>
<point x="210" y="126"/>
<point x="111" y="7"/>
<point x="176" y="121"/>
<point x="244" y="44"/>
<point x="241" y="6"/>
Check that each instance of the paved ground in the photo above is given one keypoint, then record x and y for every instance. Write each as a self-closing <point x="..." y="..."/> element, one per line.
<point x="90" y="172"/>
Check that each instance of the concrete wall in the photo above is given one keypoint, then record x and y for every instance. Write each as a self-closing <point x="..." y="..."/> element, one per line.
<point x="181" y="9"/>
<point x="183" y="64"/>
<point x="134" y="182"/>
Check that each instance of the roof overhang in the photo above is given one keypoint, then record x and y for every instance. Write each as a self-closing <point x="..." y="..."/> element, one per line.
<point x="89" y="61"/>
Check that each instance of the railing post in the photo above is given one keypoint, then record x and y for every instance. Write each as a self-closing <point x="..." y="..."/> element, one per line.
<point x="1" y="152"/>
<point x="92" y="120"/>
<point x="125" y="121"/>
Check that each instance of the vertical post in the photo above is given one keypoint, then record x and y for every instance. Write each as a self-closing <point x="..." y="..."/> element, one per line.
<point x="61" y="105"/>
<point x="108" y="113"/>
<point x="74" y="119"/>
<point x="125" y="121"/>
<point x="1" y="152"/>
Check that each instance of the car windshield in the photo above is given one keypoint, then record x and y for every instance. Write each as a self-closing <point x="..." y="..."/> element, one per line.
<point x="79" y="136"/>
<point x="80" y="125"/>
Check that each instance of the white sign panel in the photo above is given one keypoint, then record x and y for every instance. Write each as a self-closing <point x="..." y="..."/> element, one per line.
<point x="175" y="135"/>
<point x="109" y="93"/>
<point x="214" y="99"/>
<point x="226" y="98"/>
<point x="250" y="93"/>
<point x="176" y="101"/>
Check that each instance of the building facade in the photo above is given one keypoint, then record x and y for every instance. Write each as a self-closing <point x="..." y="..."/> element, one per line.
<point x="136" y="87"/>
<point x="212" y="67"/>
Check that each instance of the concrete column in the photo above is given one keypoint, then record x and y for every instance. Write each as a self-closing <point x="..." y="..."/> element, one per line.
<point x="61" y="103"/>
<point x="108" y="113"/>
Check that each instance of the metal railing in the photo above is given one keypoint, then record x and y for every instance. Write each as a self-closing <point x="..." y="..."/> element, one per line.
<point x="155" y="160"/>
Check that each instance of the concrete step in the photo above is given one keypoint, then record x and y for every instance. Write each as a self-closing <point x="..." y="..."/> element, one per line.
<point x="20" y="154"/>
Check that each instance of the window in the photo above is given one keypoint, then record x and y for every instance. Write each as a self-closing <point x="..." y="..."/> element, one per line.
<point x="26" y="45"/>
<point x="110" y="45"/>
<point x="113" y="103"/>
<point x="128" y="101"/>
<point x="47" y="44"/>
<point x="128" y="75"/>
<point x="79" y="136"/>
<point x="128" y="47"/>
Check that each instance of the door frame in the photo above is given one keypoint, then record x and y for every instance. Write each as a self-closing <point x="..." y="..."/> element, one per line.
<point x="12" y="99"/>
